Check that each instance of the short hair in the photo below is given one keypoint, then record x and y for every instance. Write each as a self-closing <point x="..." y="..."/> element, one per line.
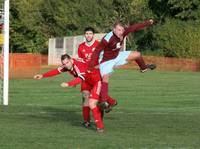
<point x="89" y="29"/>
<point x="64" y="56"/>
<point x="119" y="23"/>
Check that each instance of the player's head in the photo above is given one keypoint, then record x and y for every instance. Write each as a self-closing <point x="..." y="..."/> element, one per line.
<point x="118" y="29"/>
<point x="66" y="61"/>
<point x="89" y="34"/>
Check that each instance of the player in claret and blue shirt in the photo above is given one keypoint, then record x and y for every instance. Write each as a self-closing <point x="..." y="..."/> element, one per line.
<point x="111" y="45"/>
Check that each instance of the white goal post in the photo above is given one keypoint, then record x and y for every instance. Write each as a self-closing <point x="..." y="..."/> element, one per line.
<point x="5" y="54"/>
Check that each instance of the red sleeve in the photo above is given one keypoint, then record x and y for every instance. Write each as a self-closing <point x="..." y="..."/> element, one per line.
<point x="136" y="27"/>
<point x="95" y="55"/>
<point x="53" y="72"/>
<point x="75" y="81"/>
<point x="79" y="52"/>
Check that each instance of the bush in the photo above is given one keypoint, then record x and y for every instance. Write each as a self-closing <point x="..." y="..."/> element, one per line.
<point x="178" y="38"/>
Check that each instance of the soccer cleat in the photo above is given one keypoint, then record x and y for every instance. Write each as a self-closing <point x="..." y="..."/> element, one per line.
<point x="86" y="124"/>
<point x="149" y="67"/>
<point x="100" y="130"/>
<point x="104" y="105"/>
<point x="107" y="110"/>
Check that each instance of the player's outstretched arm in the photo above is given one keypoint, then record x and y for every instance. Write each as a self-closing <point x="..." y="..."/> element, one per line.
<point x="50" y="73"/>
<point x="64" y="84"/>
<point x="71" y="83"/>
<point x="38" y="76"/>
<point x="139" y="26"/>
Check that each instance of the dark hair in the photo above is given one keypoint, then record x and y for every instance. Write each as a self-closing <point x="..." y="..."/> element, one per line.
<point x="89" y="29"/>
<point x="64" y="56"/>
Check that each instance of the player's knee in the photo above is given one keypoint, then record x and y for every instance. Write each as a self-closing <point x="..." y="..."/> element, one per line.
<point x="137" y="54"/>
<point x="85" y="97"/>
<point x="92" y="103"/>
<point x="105" y="78"/>
<point x="134" y="55"/>
<point x="86" y="94"/>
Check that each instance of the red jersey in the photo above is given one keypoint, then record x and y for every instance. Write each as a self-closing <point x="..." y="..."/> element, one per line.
<point x="85" y="51"/>
<point x="78" y="71"/>
<point x="111" y="44"/>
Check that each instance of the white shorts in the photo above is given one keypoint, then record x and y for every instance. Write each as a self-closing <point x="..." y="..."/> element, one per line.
<point x="107" y="67"/>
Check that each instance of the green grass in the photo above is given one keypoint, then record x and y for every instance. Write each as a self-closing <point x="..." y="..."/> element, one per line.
<point x="156" y="110"/>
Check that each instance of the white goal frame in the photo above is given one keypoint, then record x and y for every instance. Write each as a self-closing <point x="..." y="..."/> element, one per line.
<point x="6" y="52"/>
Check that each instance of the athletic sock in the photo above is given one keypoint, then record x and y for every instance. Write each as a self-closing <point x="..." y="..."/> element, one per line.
<point x="110" y="100"/>
<point x="97" y="118"/>
<point x="141" y="63"/>
<point x="86" y="113"/>
<point x="104" y="91"/>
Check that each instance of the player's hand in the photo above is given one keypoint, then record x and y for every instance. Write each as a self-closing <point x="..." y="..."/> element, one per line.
<point x="89" y="71"/>
<point x="64" y="84"/>
<point x="38" y="76"/>
<point x="96" y="67"/>
<point x="151" y="21"/>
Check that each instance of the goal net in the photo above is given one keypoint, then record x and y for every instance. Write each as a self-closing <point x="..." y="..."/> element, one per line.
<point x="4" y="52"/>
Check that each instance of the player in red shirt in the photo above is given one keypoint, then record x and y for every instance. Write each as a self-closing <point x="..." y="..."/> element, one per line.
<point x="91" y="80"/>
<point x="111" y="44"/>
<point x="85" y="50"/>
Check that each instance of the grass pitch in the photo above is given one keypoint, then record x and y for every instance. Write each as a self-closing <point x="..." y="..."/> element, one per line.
<point x="156" y="110"/>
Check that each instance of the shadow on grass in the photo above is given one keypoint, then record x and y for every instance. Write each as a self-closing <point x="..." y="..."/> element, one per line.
<point x="51" y="114"/>
<point x="55" y="115"/>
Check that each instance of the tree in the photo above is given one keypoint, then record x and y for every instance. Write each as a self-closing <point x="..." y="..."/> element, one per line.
<point x="185" y="9"/>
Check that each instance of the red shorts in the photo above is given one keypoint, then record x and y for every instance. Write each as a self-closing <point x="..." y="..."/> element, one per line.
<point x="94" y="89"/>
<point x="85" y="86"/>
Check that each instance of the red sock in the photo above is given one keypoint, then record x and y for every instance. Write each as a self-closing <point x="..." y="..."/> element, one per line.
<point x="97" y="117"/>
<point x="101" y="111"/>
<point x="104" y="91"/>
<point x="141" y="63"/>
<point x="86" y="113"/>
<point x="110" y="100"/>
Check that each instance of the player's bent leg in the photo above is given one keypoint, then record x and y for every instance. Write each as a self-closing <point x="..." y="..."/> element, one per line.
<point x="86" y="108"/>
<point x="85" y="97"/>
<point x="106" y="69"/>
<point x="96" y="114"/>
<point x="93" y="103"/>
<point x="134" y="55"/>
<point x="137" y="57"/>
<point x="104" y="91"/>
<point x="112" y="103"/>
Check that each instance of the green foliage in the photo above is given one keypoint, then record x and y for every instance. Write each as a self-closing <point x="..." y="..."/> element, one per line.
<point x="185" y="9"/>
<point x="33" y="22"/>
<point x="25" y="27"/>
<point x="139" y="11"/>
<point x="160" y="9"/>
<point x="178" y="38"/>
<point x="180" y="9"/>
